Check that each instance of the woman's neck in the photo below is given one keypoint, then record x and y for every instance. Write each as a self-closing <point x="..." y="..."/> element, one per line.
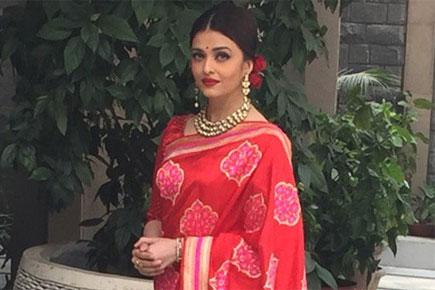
<point x="220" y="108"/>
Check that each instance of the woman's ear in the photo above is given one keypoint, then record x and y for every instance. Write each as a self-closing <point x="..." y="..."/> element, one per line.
<point x="248" y="66"/>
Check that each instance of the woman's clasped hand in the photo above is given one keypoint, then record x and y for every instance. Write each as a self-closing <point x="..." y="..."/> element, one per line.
<point x="151" y="256"/>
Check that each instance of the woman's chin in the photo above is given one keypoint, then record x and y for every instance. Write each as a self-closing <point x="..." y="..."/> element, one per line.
<point x="210" y="93"/>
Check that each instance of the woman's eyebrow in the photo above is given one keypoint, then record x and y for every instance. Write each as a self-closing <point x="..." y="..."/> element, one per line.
<point x="214" y="49"/>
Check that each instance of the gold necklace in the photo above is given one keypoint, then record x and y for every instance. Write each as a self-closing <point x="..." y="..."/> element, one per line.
<point x="208" y="129"/>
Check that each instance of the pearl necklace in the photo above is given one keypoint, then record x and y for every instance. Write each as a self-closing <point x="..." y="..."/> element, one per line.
<point x="209" y="129"/>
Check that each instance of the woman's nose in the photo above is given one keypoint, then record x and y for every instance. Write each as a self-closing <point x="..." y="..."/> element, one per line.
<point x="208" y="65"/>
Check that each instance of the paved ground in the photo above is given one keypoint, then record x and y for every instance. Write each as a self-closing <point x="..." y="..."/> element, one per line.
<point x="407" y="279"/>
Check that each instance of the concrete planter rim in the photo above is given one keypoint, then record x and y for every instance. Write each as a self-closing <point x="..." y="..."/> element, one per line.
<point x="36" y="265"/>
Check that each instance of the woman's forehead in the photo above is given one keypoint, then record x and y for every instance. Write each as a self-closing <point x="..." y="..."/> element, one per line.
<point x="211" y="39"/>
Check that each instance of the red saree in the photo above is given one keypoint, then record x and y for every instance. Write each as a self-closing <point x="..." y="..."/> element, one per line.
<point x="234" y="199"/>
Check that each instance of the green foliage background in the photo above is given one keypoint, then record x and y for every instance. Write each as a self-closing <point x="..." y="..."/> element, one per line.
<point x="84" y="96"/>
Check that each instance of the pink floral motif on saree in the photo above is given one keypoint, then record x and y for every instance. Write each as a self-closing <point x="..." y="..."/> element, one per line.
<point x="255" y="212"/>
<point x="220" y="280"/>
<point x="271" y="273"/>
<point x="246" y="260"/>
<point x="169" y="179"/>
<point x="198" y="220"/>
<point x="168" y="280"/>
<point x="287" y="208"/>
<point x="241" y="162"/>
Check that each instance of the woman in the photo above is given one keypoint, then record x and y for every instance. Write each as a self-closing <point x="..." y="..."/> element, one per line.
<point x="225" y="212"/>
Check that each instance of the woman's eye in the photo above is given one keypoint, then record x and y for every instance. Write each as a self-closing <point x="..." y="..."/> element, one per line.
<point x="222" y="56"/>
<point x="196" y="55"/>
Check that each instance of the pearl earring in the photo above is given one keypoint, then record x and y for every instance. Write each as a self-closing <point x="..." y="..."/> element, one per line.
<point x="196" y="103"/>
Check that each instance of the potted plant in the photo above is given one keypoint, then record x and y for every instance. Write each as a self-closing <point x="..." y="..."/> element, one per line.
<point x="367" y="155"/>
<point x="424" y="211"/>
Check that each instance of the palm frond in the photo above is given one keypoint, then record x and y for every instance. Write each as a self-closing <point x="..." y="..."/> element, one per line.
<point x="364" y="80"/>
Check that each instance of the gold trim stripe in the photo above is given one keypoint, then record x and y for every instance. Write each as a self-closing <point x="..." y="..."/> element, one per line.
<point x="178" y="148"/>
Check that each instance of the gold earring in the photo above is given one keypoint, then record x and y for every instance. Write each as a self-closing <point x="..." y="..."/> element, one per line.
<point x="245" y="85"/>
<point x="196" y="103"/>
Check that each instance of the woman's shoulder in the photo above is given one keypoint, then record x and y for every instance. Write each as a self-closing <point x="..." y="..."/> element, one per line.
<point x="271" y="138"/>
<point x="174" y="128"/>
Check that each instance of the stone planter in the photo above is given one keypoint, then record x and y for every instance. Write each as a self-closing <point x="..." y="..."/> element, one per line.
<point x="38" y="271"/>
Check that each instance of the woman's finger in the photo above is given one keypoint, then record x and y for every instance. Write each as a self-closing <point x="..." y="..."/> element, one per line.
<point x="146" y="240"/>
<point x="143" y="247"/>
<point x="146" y="263"/>
<point x="142" y="255"/>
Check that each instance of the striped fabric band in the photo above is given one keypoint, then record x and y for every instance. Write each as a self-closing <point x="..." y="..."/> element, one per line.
<point x="196" y="259"/>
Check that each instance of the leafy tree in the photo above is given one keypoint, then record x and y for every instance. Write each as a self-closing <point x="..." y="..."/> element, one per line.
<point x="98" y="81"/>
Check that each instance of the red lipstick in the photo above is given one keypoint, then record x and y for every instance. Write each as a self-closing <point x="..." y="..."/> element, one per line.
<point x="209" y="82"/>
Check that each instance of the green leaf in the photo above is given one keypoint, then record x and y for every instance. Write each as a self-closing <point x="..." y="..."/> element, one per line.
<point x="317" y="177"/>
<point x="90" y="36"/>
<point x="185" y="48"/>
<point x="51" y="32"/>
<point x="41" y="173"/>
<point x="116" y="27"/>
<point x="27" y="157"/>
<point x="105" y="50"/>
<point x="169" y="107"/>
<point x="423" y="104"/>
<point x="50" y="8"/>
<point x="167" y="54"/>
<point x="363" y="117"/>
<point x="392" y="235"/>
<point x="281" y="104"/>
<point x="60" y="114"/>
<point x="394" y="170"/>
<point x="8" y="155"/>
<point x="142" y="9"/>
<point x="41" y="105"/>
<point x="300" y="8"/>
<point x="272" y="84"/>
<point x="431" y="209"/>
<point x="314" y="282"/>
<point x="159" y="101"/>
<point x="127" y="70"/>
<point x="312" y="43"/>
<point x="87" y="91"/>
<point x="73" y="54"/>
<point x="298" y="55"/>
<point x="326" y="276"/>
<point x="156" y="40"/>
<point x="310" y="264"/>
<point x="304" y="173"/>
<point x="119" y="92"/>
<point x="397" y="141"/>
<point x="180" y="62"/>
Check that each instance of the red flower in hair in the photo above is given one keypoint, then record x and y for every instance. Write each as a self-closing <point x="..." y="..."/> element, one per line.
<point x="256" y="78"/>
<point x="259" y="63"/>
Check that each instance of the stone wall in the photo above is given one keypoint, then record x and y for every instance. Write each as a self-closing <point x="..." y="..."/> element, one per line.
<point x="373" y="35"/>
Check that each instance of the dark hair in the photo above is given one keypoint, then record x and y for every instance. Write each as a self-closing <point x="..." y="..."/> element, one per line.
<point x="236" y="23"/>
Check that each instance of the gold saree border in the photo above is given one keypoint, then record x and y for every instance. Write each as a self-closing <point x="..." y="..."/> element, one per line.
<point x="196" y="261"/>
<point x="194" y="144"/>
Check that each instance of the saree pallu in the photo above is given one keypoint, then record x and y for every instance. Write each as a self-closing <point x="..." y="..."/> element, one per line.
<point x="234" y="199"/>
